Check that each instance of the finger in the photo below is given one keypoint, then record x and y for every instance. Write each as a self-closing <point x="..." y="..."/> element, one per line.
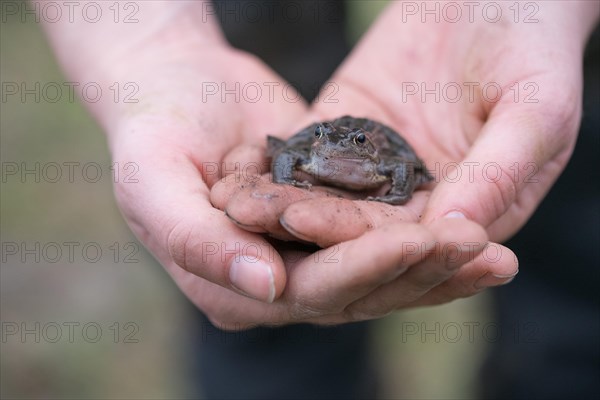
<point x="496" y="265"/>
<point x="457" y="242"/>
<point x="168" y="209"/>
<point x="228" y="187"/>
<point x="246" y="160"/>
<point x="510" y="160"/>
<point x="326" y="221"/>
<point x="256" y="204"/>
<point x="326" y="282"/>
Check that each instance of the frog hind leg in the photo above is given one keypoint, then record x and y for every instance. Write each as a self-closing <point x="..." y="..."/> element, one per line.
<point x="283" y="166"/>
<point x="403" y="184"/>
<point x="422" y="174"/>
<point x="274" y="144"/>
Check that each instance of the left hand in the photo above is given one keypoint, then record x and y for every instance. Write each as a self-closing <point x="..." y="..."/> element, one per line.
<point x="506" y="133"/>
<point x="492" y="108"/>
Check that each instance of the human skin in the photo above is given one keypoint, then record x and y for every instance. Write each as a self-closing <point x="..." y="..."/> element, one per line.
<point x="506" y="151"/>
<point x="527" y="135"/>
<point x="171" y="135"/>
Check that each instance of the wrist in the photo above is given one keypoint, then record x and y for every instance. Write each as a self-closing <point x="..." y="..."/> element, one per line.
<point x="125" y="56"/>
<point x="83" y="45"/>
<point x="588" y="17"/>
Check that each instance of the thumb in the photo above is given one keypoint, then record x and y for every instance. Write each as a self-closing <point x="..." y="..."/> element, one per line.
<point x="169" y="210"/>
<point x="510" y="167"/>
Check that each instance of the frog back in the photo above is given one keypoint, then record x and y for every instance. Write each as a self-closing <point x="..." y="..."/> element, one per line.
<point x="301" y="142"/>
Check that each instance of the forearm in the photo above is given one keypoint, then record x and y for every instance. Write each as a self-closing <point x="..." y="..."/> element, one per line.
<point x="577" y="17"/>
<point x="85" y="47"/>
<point x="131" y="45"/>
<point x="413" y="44"/>
<point x="587" y="13"/>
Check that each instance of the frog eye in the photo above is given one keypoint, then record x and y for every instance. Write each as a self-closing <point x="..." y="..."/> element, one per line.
<point x="319" y="132"/>
<point x="360" y="138"/>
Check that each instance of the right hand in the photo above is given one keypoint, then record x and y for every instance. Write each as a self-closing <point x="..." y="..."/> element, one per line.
<point x="176" y="139"/>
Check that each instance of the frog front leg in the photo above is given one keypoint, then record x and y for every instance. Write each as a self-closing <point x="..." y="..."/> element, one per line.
<point x="284" y="165"/>
<point x="403" y="183"/>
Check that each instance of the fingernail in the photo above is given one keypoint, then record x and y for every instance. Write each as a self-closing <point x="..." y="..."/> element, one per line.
<point x="490" y="280"/>
<point x="455" y="214"/>
<point x="253" y="277"/>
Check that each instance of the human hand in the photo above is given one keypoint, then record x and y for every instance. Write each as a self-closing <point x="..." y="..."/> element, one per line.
<point x="375" y="257"/>
<point x="169" y="145"/>
<point x="256" y="204"/>
<point x="467" y="132"/>
<point x="494" y="159"/>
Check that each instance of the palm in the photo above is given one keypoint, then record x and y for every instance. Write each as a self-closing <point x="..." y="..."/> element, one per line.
<point x="481" y="148"/>
<point x="494" y="117"/>
<point x="178" y="140"/>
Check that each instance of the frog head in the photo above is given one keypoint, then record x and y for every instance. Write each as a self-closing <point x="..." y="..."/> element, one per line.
<point x="343" y="157"/>
<point x="332" y="143"/>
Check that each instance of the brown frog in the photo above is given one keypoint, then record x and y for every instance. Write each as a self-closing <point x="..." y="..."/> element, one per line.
<point x="352" y="153"/>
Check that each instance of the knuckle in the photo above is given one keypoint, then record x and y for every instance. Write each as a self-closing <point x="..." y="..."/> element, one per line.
<point x="215" y="320"/>
<point x="177" y="244"/>
<point x="462" y="288"/>
<point x="504" y="190"/>
<point x="561" y="112"/>
<point x="562" y="104"/>
<point x="224" y="324"/>
<point x="299" y="310"/>
<point x="367" y="310"/>
<point x="228" y="321"/>
<point x="415" y="286"/>
<point x="302" y="305"/>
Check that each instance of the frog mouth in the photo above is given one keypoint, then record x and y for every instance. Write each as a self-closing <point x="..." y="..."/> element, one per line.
<point x="338" y="157"/>
<point x="330" y="165"/>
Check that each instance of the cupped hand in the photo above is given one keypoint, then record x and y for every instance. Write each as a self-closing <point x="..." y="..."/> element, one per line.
<point x="492" y="107"/>
<point x="494" y="157"/>
<point x="175" y="139"/>
<point x="375" y="258"/>
<point x="491" y="104"/>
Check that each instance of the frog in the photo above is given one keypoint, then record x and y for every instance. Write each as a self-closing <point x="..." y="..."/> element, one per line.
<point x="356" y="154"/>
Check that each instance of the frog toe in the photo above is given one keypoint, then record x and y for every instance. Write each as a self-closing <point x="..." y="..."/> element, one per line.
<point x="303" y="184"/>
<point x="392" y="199"/>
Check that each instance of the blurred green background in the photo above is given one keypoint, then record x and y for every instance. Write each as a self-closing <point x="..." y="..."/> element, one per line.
<point x="142" y="351"/>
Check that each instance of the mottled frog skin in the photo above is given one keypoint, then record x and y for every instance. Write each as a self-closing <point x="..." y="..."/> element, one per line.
<point x="358" y="154"/>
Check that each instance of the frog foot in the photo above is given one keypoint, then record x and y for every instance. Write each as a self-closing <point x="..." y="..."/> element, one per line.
<point x="303" y="184"/>
<point x="393" y="199"/>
